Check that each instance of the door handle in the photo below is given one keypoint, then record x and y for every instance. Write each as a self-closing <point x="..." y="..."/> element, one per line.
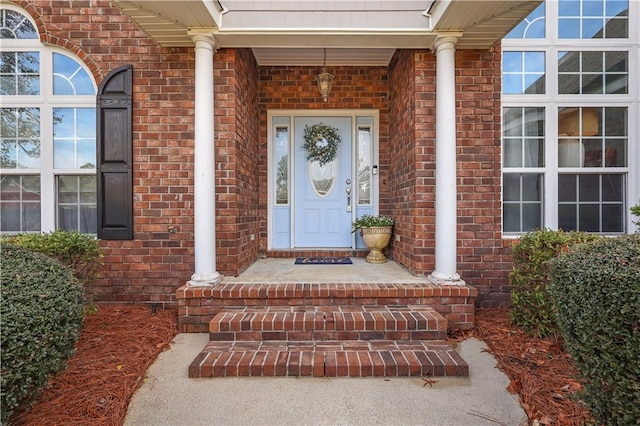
<point x="348" y="190"/>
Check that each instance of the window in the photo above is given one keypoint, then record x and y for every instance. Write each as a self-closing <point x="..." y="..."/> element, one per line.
<point x="593" y="72"/>
<point x="570" y="157"/>
<point x="47" y="133"/>
<point x="364" y="165"/>
<point x="523" y="72"/>
<point x="523" y="162"/>
<point x="282" y="164"/>
<point x="583" y="19"/>
<point x="533" y="26"/>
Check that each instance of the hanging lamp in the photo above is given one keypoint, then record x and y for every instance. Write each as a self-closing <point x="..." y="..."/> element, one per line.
<point x="324" y="79"/>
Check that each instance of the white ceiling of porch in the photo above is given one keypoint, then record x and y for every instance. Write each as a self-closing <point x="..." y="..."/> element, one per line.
<point x="354" y="32"/>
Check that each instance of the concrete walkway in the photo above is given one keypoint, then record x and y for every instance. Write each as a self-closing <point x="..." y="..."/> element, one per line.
<point x="169" y="397"/>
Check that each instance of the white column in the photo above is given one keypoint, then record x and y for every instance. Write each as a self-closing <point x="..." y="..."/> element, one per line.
<point x="446" y="191"/>
<point x="204" y="167"/>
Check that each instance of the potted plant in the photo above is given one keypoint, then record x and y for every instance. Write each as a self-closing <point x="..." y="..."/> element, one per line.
<point x="376" y="234"/>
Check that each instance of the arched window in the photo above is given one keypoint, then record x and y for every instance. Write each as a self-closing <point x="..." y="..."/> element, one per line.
<point x="47" y="133"/>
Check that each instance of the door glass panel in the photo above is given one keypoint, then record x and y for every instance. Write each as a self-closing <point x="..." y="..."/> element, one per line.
<point x="282" y="164"/>
<point x="364" y="165"/>
<point x="323" y="176"/>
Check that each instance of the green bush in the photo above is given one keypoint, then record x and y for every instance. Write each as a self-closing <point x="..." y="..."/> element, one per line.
<point x="635" y="211"/>
<point x="41" y="313"/>
<point x="532" y="307"/>
<point x="80" y="252"/>
<point x="596" y="288"/>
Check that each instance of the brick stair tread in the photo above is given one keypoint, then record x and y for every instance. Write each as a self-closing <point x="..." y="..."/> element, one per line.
<point x="402" y="322"/>
<point x="368" y="290"/>
<point x="328" y="359"/>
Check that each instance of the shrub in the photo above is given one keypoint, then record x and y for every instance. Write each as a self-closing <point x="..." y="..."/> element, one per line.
<point x="597" y="291"/>
<point x="635" y="211"/>
<point x="532" y="307"/>
<point x="41" y="312"/>
<point x="80" y="252"/>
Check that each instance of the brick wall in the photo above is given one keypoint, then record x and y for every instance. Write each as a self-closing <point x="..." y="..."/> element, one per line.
<point x="238" y="152"/>
<point x="484" y="259"/>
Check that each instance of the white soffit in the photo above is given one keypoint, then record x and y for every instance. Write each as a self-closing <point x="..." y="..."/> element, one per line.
<point x="352" y="25"/>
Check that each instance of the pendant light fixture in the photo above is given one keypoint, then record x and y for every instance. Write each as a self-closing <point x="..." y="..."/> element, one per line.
<point x="324" y="79"/>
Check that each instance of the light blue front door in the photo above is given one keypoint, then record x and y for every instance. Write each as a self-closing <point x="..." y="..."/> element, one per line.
<point x="322" y="207"/>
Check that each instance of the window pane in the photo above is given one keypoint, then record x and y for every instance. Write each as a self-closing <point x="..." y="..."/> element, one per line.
<point x="567" y="188"/>
<point x="511" y="190"/>
<point x="523" y="72"/>
<point x="569" y="152"/>
<point x="511" y="217"/>
<point x="14" y="25"/>
<point x="592" y="72"/>
<point x="588" y="187"/>
<point x="513" y="152"/>
<point x="364" y="165"/>
<point x="68" y="218"/>
<point x="601" y="203"/>
<point x="69" y="78"/>
<point x="20" y="203"/>
<point x="568" y="28"/>
<point x="20" y="73"/>
<point x="593" y="19"/>
<point x="592" y="152"/>
<point x="567" y="217"/>
<point x="531" y="217"/>
<point x="282" y="168"/>
<point x="77" y="203"/>
<point x="88" y="219"/>
<point x="615" y="153"/>
<point x="531" y="187"/>
<point x="70" y="149"/>
<point x="20" y="138"/>
<point x="522" y="202"/>
<point x="612" y="186"/>
<point x="612" y="218"/>
<point x="589" y="218"/>
<point x="533" y="26"/>
<point x="598" y="137"/>
<point x="528" y="149"/>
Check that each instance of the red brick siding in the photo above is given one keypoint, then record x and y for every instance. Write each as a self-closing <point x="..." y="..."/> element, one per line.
<point x="483" y="257"/>
<point x="237" y="155"/>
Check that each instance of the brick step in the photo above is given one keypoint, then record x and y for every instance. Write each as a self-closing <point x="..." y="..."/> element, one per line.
<point x="198" y="305"/>
<point x="328" y="323"/>
<point x="328" y="359"/>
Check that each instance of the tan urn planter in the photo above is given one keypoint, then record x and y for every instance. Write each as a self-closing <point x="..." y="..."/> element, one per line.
<point x="376" y="238"/>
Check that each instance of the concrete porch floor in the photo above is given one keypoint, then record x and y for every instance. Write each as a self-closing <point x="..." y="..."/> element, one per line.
<point x="284" y="270"/>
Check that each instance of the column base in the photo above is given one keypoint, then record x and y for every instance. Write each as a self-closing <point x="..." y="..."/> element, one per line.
<point x="204" y="280"/>
<point x="438" y="278"/>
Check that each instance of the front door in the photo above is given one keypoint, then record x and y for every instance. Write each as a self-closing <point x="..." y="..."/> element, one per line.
<point x="323" y="200"/>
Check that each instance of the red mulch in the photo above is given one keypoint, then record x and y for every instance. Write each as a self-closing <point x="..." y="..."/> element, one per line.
<point x="119" y="343"/>
<point x="541" y="373"/>
<point x="116" y="346"/>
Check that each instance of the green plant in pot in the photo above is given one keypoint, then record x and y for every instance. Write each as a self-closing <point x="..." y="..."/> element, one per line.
<point x="376" y="234"/>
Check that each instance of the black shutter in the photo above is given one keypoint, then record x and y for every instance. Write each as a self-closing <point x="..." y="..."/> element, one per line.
<point x="114" y="150"/>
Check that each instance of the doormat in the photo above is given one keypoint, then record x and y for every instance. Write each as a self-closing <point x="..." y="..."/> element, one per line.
<point x="323" y="261"/>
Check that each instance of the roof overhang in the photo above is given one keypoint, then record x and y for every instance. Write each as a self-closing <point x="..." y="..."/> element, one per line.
<point x="285" y="32"/>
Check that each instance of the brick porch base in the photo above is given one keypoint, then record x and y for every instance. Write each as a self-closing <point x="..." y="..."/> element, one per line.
<point x="198" y="305"/>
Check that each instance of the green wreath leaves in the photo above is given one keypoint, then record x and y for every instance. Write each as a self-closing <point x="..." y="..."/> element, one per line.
<point x="321" y="142"/>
